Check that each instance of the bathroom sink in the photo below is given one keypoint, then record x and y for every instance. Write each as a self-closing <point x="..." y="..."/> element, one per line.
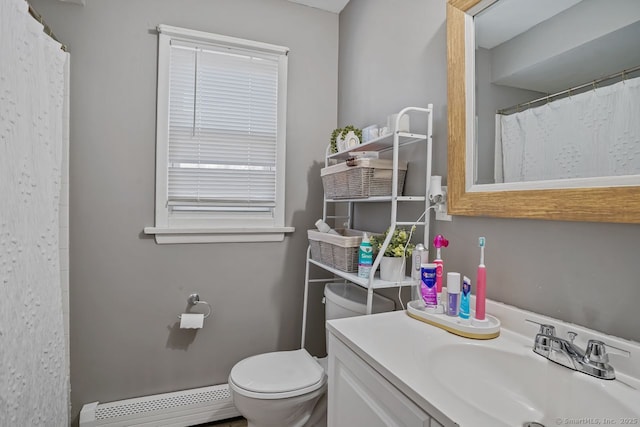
<point x="511" y="384"/>
<point x="497" y="382"/>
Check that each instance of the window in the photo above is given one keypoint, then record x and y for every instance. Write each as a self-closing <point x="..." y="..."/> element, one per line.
<point x="220" y="149"/>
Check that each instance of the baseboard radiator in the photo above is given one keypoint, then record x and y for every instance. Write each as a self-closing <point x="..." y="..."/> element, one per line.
<point x="177" y="409"/>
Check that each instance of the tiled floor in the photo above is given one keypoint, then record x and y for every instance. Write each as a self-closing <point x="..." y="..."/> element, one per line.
<point x="233" y="422"/>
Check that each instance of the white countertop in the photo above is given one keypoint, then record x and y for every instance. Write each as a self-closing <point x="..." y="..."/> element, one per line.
<point x="401" y="348"/>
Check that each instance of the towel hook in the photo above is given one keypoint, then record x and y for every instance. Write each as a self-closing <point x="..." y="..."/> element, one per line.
<point x="194" y="299"/>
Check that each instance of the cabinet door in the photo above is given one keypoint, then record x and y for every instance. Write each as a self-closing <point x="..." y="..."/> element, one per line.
<point x="360" y="396"/>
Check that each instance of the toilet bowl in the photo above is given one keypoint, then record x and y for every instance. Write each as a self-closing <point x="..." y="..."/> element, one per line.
<point x="288" y="388"/>
<point x="278" y="389"/>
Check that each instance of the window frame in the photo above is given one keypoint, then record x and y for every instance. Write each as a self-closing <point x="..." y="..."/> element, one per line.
<point x="194" y="227"/>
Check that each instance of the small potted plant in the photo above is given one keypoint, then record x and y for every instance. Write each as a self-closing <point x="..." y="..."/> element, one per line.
<point x="394" y="260"/>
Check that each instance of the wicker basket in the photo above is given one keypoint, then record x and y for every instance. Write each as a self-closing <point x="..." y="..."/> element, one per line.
<point x="335" y="251"/>
<point x="361" y="178"/>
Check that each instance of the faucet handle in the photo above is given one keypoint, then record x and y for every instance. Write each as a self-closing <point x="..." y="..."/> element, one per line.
<point x="548" y="330"/>
<point x="545" y="329"/>
<point x="597" y="351"/>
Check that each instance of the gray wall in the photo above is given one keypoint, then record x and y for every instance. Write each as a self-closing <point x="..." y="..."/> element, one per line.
<point x="393" y="55"/>
<point x="491" y="97"/>
<point x="126" y="290"/>
<point x="585" y="273"/>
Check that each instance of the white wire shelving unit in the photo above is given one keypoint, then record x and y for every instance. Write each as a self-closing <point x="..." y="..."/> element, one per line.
<point x="390" y="142"/>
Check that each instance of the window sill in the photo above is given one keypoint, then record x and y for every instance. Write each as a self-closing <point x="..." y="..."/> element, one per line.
<point x="218" y="235"/>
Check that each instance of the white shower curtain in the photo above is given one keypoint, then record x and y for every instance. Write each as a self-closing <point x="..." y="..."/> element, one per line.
<point x="592" y="134"/>
<point x="34" y="379"/>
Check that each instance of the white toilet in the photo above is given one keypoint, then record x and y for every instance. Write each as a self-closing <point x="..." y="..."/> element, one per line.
<point x="288" y="388"/>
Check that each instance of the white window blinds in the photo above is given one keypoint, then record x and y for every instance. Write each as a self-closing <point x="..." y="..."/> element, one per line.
<point x="223" y="117"/>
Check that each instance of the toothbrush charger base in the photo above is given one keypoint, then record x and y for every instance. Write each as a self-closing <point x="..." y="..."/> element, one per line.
<point x="479" y="330"/>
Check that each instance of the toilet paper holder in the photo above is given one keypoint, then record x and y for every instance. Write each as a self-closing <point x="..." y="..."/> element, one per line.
<point x="194" y="299"/>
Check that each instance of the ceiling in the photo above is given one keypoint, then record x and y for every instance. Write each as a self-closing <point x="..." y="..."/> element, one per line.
<point x="602" y="56"/>
<point x="506" y="19"/>
<point x="334" y="6"/>
<point x="548" y="46"/>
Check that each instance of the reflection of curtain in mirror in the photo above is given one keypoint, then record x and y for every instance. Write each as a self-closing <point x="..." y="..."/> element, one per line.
<point x="595" y="133"/>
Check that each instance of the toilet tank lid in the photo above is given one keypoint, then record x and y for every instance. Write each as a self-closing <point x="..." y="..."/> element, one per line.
<point x="278" y="372"/>
<point x="353" y="297"/>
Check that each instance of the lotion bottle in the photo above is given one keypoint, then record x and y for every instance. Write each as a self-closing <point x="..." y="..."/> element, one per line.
<point x="365" y="257"/>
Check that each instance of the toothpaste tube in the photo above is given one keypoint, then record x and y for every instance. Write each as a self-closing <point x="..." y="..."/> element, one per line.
<point x="428" y="289"/>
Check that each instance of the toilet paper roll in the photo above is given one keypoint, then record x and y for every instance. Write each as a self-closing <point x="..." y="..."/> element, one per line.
<point x="191" y="320"/>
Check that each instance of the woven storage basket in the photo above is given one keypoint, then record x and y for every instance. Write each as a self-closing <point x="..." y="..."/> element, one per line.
<point x="366" y="178"/>
<point x="315" y="250"/>
<point x="335" y="251"/>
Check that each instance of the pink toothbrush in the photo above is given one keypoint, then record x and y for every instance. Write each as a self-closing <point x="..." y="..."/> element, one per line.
<point x="481" y="283"/>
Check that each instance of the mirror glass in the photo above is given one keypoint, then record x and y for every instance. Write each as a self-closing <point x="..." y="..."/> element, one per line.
<point x="557" y="94"/>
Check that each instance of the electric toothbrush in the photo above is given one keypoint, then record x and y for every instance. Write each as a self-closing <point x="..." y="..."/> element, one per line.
<point x="439" y="242"/>
<point x="481" y="283"/>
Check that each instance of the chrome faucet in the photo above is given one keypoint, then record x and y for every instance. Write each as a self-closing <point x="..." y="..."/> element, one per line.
<point x="594" y="361"/>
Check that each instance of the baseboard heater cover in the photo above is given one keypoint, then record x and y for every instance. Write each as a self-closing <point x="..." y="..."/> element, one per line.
<point x="176" y="409"/>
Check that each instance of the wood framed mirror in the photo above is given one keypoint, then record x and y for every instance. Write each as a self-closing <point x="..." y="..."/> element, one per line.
<point x="598" y="202"/>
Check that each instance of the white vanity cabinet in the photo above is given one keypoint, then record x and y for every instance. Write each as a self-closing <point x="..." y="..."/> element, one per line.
<point x="359" y="396"/>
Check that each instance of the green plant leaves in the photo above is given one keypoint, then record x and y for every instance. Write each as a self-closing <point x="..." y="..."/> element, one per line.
<point x="398" y="246"/>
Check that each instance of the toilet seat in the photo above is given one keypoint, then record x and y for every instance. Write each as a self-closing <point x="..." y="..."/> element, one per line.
<point x="277" y="375"/>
